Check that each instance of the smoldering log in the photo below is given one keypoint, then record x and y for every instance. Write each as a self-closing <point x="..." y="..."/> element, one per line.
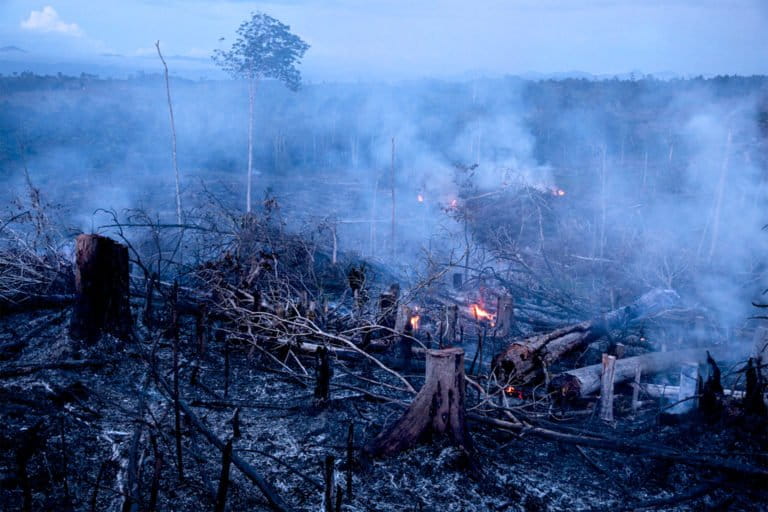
<point x="437" y="409"/>
<point x="523" y="361"/>
<point x="101" y="289"/>
<point x="582" y="382"/>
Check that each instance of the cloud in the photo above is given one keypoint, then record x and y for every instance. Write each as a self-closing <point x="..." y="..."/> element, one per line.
<point x="47" y="20"/>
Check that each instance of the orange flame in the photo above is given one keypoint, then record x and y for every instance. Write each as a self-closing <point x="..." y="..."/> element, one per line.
<point x="558" y="192"/>
<point x="415" y="319"/>
<point x="481" y="314"/>
<point x="420" y="198"/>
<point x="513" y="391"/>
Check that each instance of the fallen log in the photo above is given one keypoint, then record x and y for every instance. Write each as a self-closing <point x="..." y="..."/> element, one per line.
<point x="629" y="447"/>
<point x="21" y="304"/>
<point x="582" y="382"/>
<point x="525" y="360"/>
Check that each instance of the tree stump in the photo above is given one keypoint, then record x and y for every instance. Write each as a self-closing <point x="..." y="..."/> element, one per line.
<point x="102" y="290"/>
<point x="438" y="409"/>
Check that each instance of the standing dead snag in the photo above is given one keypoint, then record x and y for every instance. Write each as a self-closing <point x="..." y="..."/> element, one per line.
<point x="437" y="409"/>
<point x="101" y="281"/>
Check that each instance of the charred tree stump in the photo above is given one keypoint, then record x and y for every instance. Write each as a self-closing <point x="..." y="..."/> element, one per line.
<point x="226" y="462"/>
<point x="102" y="289"/>
<point x="753" y="398"/>
<point x="330" y="483"/>
<point x="323" y="377"/>
<point x="437" y="409"/>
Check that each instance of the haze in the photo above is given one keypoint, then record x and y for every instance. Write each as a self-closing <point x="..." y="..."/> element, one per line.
<point x="399" y="39"/>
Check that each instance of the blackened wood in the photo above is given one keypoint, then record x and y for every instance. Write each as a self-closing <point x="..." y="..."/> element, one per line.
<point x="148" y="316"/>
<point x="177" y="408"/>
<point x="438" y="408"/>
<point x="323" y="374"/>
<point x="236" y="424"/>
<point x="102" y="289"/>
<point x="712" y="390"/>
<point x="201" y="332"/>
<point x="156" y="475"/>
<point x="753" y="398"/>
<point x="226" y="366"/>
<point x="330" y="484"/>
<point x="276" y="502"/>
<point x="350" y="457"/>
<point x="226" y="462"/>
<point x="339" y="496"/>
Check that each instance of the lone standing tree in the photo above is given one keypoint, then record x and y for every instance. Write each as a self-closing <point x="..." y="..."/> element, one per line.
<point x="264" y="48"/>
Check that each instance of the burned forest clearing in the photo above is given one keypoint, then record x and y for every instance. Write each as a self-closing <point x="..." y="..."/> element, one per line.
<point x="484" y="295"/>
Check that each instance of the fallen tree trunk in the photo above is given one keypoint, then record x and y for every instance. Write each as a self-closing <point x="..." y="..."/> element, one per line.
<point x="437" y="409"/>
<point x="9" y="305"/>
<point x="524" y="360"/>
<point x="629" y="447"/>
<point x="584" y="381"/>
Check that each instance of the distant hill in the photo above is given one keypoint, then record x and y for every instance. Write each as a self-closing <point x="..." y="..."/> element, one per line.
<point x="11" y="49"/>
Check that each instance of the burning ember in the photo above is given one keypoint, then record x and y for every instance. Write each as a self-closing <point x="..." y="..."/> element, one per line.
<point x="513" y="392"/>
<point x="415" y="319"/>
<point x="480" y="314"/>
<point x="420" y="198"/>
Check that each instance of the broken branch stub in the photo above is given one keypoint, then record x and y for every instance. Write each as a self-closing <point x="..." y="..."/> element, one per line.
<point x="437" y="409"/>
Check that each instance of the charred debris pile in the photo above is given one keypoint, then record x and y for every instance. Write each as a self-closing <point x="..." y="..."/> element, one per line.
<point x="230" y="363"/>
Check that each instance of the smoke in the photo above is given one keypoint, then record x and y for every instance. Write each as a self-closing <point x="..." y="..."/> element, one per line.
<point x="667" y="179"/>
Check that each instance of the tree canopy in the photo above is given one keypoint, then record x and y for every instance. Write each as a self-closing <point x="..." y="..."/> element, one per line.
<point x="264" y="48"/>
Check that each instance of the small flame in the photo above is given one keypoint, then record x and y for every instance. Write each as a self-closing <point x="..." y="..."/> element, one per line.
<point x="481" y="314"/>
<point x="558" y="192"/>
<point x="415" y="319"/>
<point x="420" y="198"/>
<point x="513" y="391"/>
<point x="454" y="203"/>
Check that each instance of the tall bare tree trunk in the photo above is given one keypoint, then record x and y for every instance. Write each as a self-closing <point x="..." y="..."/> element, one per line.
<point x="719" y="199"/>
<point x="392" y="185"/>
<point x="173" y="134"/>
<point x="251" y="97"/>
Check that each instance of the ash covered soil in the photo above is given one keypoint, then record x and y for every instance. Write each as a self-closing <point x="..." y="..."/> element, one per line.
<point x="86" y="434"/>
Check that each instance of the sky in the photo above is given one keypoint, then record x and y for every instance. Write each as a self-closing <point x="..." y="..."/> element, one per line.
<point x="408" y="39"/>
